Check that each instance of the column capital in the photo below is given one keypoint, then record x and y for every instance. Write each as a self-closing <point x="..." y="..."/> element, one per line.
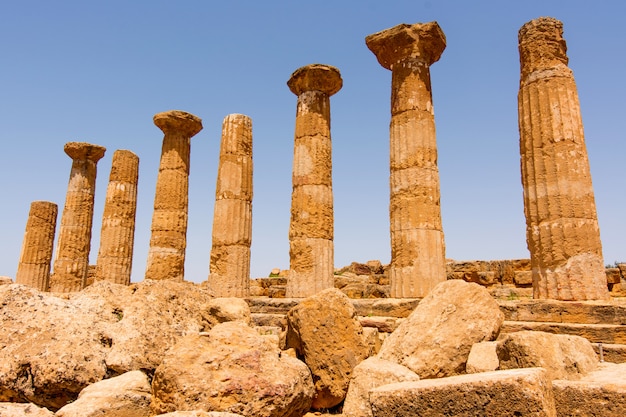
<point x="83" y="150"/>
<point x="315" y="77"/>
<point x="178" y="121"/>
<point x="541" y="45"/>
<point x="422" y="41"/>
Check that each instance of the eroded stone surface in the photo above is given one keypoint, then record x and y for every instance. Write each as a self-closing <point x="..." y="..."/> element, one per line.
<point x="311" y="229"/>
<point x="23" y="410"/>
<point x="561" y="221"/>
<point x="436" y="339"/>
<point x="417" y="242"/>
<point x="324" y="331"/>
<point x="34" y="266"/>
<point x="168" y="240"/>
<point x="232" y="217"/>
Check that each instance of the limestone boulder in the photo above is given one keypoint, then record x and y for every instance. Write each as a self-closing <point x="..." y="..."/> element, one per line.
<point x="23" y="410"/>
<point x="369" y="374"/>
<point x="51" y="347"/>
<point x="199" y="414"/>
<point x="325" y="332"/>
<point x="5" y="280"/>
<point x="228" y="309"/>
<point x="482" y="358"/>
<point x="127" y="395"/>
<point x="436" y="339"/>
<point x="563" y="356"/>
<point x="231" y="369"/>
<point x="517" y="392"/>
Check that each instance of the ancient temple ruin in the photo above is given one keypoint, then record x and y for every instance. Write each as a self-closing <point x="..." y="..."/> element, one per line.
<point x="561" y="221"/>
<point x="168" y="240"/>
<point x="311" y="248"/>
<point x="71" y="263"/>
<point x="417" y="241"/>
<point x="117" y="236"/>
<point x="34" y="266"/>
<point x="232" y="217"/>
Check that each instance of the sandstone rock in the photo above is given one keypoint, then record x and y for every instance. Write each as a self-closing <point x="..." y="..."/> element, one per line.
<point x="199" y="414"/>
<point x="372" y="340"/>
<point x="51" y="348"/>
<point x="5" y="280"/>
<point x="435" y="340"/>
<point x="563" y="356"/>
<point x="325" y="332"/>
<point x="23" y="410"/>
<point x="519" y="392"/>
<point x="228" y="309"/>
<point x="600" y="393"/>
<point x="482" y="358"/>
<point x="231" y="369"/>
<point x="613" y="276"/>
<point x="127" y="395"/>
<point x="369" y="374"/>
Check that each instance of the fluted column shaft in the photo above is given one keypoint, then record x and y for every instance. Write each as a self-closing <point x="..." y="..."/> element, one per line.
<point x="311" y="230"/>
<point x="562" y="229"/>
<point x="117" y="236"/>
<point x="34" y="266"/>
<point x="417" y="240"/>
<point x="232" y="217"/>
<point x="71" y="262"/>
<point x="168" y="241"/>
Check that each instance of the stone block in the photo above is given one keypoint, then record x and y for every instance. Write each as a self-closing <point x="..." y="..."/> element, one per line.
<point x="482" y="358"/>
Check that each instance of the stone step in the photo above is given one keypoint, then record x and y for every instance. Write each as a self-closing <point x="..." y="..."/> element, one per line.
<point x="595" y="333"/>
<point x="615" y="353"/>
<point x="387" y="307"/>
<point x="582" y="312"/>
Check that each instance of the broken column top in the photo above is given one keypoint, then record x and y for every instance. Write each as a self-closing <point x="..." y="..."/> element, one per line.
<point x="83" y="150"/>
<point x="315" y="77"/>
<point x="541" y="45"/>
<point x="425" y="41"/>
<point x="173" y="121"/>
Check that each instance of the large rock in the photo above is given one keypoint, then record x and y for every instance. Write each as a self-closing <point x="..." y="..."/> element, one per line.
<point x="127" y="395"/>
<point x="518" y="392"/>
<point x="232" y="369"/>
<point x="326" y="334"/>
<point x="52" y="347"/>
<point x="600" y="393"/>
<point x="435" y="340"/>
<point x="563" y="356"/>
<point x="199" y="414"/>
<point x="23" y="410"/>
<point x="369" y="374"/>
<point x="482" y="358"/>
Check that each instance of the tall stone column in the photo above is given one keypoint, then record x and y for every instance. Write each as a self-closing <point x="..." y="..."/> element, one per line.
<point x="117" y="236"/>
<point x="561" y="222"/>
<point x="311" y="249"/>
<point x="232" y="218"/>
<point x="166" y="256"/>
<point x="34" y="266"/>
<point x="71" y="262"/>
<point x="417" y="241"/>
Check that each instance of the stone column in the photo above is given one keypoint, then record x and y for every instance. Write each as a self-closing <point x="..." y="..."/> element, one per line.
<point x="232" y="218"/>
<point x="417" y="241"/>
<point x="34" y="266"/>
<point x="71" y="262"/>
<point x="166" y="257"/>
<point x="311" y="249"/>
<point x="561" y="223"/>
<point x="117" y="236"/>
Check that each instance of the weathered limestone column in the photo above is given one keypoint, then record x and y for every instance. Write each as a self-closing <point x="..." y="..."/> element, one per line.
<point x="417" y="241"/>
<point x="117" y="236"/>
<point x="34" y="266"/>
<point x="232" y="218"/>
<point x="71" y="262"/>
<point x="166" y="257"/>
<point x="561" y="223"/>
<point x="311" y="249"/>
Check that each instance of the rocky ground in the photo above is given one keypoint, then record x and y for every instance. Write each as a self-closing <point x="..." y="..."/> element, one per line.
<point x="172" y="349"/>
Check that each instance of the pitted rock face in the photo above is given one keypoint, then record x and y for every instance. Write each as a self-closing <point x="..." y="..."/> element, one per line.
<point x="422" y="41"/>
<point x="173" y="121"/>
<point x="83" y="150"/>
<point x="315" y="77"/>
<point x="541" y="45"/>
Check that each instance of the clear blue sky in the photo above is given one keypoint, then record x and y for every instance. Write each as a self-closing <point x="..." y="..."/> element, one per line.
<point x="98" y="72"/>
